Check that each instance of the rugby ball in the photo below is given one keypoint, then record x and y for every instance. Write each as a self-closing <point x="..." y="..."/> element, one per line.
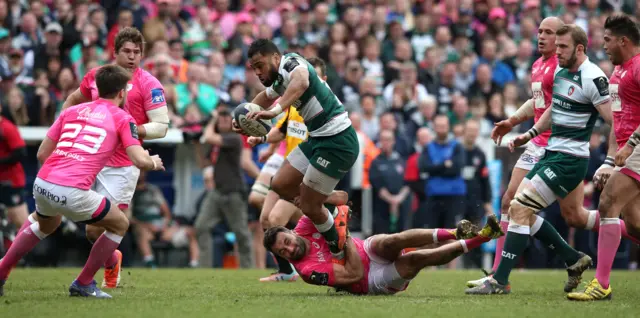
<point x="256" y="128"/>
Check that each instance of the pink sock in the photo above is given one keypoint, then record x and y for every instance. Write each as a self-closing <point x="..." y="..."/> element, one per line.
<point x="112" y="261"/>
<point x="102" y="250"/>
<point x="474" y="243"/>
<point x="441" y="235"/>
<point x="608" y="243"/>
<point x="26" y="224"/>
<point x="24" y="242"/>
<point x="504" y="225"/>
<point x="623" y="229"/>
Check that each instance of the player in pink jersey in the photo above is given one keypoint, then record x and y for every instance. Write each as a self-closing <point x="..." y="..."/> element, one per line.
<point x="621" y="190"/>
<point x="382" y="264"/>
<point x="76" y="148"/>
<point x="146" y="104"/>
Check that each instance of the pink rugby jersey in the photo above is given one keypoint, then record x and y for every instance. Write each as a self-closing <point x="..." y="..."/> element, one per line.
<point x="624" y="88"/>
<point x="542" y="89"/>
<point x="317" y="268"/>
<point x="144" y="93"/>
<point x="87" y="136"/>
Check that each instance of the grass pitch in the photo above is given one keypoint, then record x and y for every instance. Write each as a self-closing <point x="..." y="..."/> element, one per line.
<point x="238" y="293"/>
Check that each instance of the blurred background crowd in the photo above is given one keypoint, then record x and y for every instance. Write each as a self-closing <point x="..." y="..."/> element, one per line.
<point x="410" y="73"/>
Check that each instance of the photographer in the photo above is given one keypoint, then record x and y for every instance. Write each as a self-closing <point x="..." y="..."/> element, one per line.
<point x="227" y="198"/>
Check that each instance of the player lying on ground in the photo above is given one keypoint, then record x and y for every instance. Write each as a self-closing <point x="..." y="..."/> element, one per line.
<point x="313" y="169"/>
<point x="580" y="94"/>
<point x="78" y="145"/>
<point x="621" y="194"/>
<point x="382" y="264"/>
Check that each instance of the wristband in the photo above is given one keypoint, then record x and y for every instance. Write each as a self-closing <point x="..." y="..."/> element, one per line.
<point x="263" y="139"/>
<point x="154" y="164"/>
<point x="533" y="132"/>
<point x="609" y="161"/>
<point x="277" y="109"/>
<point x="634" y="140"/>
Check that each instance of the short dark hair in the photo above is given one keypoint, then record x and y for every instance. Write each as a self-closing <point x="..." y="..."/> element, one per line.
<point x="622" y="25"/>
<point x="263" y="47"/>
<point x="111" y="79"/>
<point x="319" y="63"/>
<point x="577" y="34"/>
<point x="129" y="34"/>
<point x="271" y="234"/>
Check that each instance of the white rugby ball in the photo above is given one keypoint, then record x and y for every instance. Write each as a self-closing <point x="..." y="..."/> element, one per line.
<point x="256" y="128"/>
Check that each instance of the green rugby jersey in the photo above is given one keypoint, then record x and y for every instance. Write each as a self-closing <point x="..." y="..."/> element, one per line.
<point x="573" y="115"/>
<point x="321" y="110"/>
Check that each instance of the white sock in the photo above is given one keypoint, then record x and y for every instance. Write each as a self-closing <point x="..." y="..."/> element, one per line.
<point x="536" y="225"/>
<point x="148" y="258"/>
<point x="591" y="221"/>
<point x="35" y="228"/>
<point x="327" y="225"/>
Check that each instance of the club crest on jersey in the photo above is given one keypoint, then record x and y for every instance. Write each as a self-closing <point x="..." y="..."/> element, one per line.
<point x="571" y="90"/>
<point x="157" y="96"/>
<point x="129" y="87"/>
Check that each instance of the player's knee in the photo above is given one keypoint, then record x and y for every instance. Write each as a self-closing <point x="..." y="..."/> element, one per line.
<point x="121" y="225"/>
<point x="519" y="213"/>
<point x="605" y="207"/>
<point x="572" y="217"/>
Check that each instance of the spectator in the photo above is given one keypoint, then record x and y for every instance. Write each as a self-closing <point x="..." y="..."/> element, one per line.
<point x="227" y="199"/>
<point x="243" y="36"/>
<point x="65" y="84"/>
<point x="402" y="56"/>
<point x="86" y="50"/>
<point x="460" y="111"/>
<point x="446" y="88"/>
<point x="288" y="35"/>
<point x="370" y="122"/>
<point x="423" y="117"/>
<point x="167" y="25"/>
<point x="483" y="86"/>
<point x="349" y="92"/>
<point x="402" y="145"/>
<point x="195" y="91"/>
<point x="139" y="12"/>
<point x="521" y="63"/>
<point x="421" y="38"/>
<point x="51" y="48"/>
<point x="390" y="207"/>
<point x="443" y="160"/>
<point x="16" y="110"/>
<point x="501" y="72"/>
<point x="30" y="35"/>
<point x="5" y="46"/>
<point x="152" y="220"/>
<point x="336" y="67"/>
<point x="413" y="178"/>
<point x="464" y="74"/>
<point x="476" y="175"/>
<point x="478" y="109"/>
<point x="371" y="62"/>
<point x="496" y="109"/>
<point x="409" y="88"/>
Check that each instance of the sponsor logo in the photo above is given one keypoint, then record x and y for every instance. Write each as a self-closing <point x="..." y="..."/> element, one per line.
<point x="319" y="278"/>
<point x="129" y="87"/>
<point x="549" y="173"/>
<point x="508" y="255"/>
<point x="60" y="199"/>
<point x="323" y="162"/>
<point x="134" y="130"/>
<point x="316" y="235"/>
<point x="85" y="114"/>
<point x="157" y="96"/>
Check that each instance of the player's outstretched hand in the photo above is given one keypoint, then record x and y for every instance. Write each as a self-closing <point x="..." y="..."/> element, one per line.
<point x="622" y="155"/>
<point x="500" y="129"/>
<point x="236" y="128"/>
<point x="263" y="114"/>
<point x="159" y="166"/>
<point x="518" y="141"/>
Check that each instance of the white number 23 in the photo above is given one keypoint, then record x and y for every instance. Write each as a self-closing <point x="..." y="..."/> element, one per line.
<point x="71" y="132"/>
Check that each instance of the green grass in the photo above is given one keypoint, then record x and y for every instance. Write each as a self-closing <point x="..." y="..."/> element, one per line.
<point x="237" y="293"/>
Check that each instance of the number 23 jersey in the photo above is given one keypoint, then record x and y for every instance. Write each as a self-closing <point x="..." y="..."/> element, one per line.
<point x="87" y="135"/>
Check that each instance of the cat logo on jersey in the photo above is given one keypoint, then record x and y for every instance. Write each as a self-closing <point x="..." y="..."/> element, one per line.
<point x="571" y="90"/>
